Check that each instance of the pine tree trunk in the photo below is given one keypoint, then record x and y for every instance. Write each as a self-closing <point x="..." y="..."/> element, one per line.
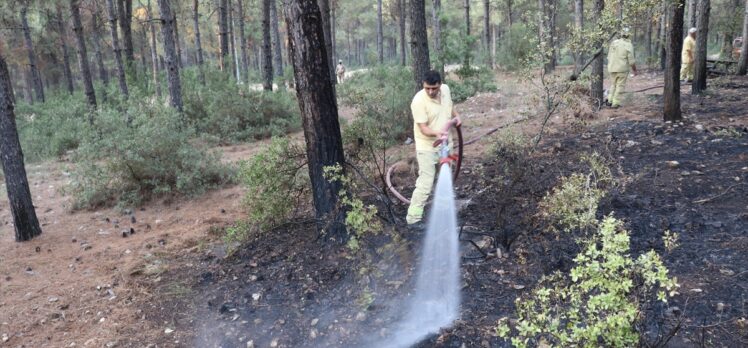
<point x="29" y="84"/>
<point x="487" y="32"/>
<point x="243" y="39"/>
<point x="324" y="8"/>
<point x="80" y="42"/>
<point x="223" y="33"/>
<point x="699" y="65"/>
<point x="436" y="12"/>
<point x="170" y="50"/>
<point x="125" y="24"/>
<point x="380" y="33"/>
<point x="35" y="74"/>
<point x="316" y="96"/>
<point x="276" y="40"/>
<point x="198" y="44"/>
<point x="671" y="93"/>
<point x="466" y="61"/>
<point x="403" y="54"/>
<point x="178" y="42"/>
<point x="579" y="26"/>
<point x="664" y="22"/>
<point x="232" y="43"/>
<point x="419" y="42"/>
<point x="743" y="61"/>
<point x="65" y="55"/>
<point x="267" y="48"/>
<point x="648" y="38"/>
<point x="692" y="12"/>
<point x="334" y="24"/>
<point x="154" y="52"/>
<point x="25" y="222"/>
<point x="596" y="86"/>
<point x="98" y="55"/>
<point x="116" y="49"/>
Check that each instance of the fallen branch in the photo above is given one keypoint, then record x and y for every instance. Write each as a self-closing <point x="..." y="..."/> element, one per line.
<point x="706" y="200"/>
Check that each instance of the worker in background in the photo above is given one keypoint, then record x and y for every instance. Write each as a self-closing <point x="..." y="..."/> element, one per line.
<point x="432" y="110"/>
<point x="340" y="71"/>
<point x="686" y="56"/>
<point x="620" y="59"/>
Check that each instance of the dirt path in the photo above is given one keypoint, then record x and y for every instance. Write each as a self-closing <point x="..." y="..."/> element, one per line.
<point x="83" y="284"/>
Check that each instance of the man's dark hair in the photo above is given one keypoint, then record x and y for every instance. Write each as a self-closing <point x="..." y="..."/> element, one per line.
<point x="432" y="77"/>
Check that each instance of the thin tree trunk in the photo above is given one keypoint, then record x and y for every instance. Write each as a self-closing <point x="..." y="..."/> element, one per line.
<point x="125" y="25"/>
<point x="98" y="55"/>
<point x="509" y="17"/>
<point x="403" y="55"/>
<point x="170" y="50"/>
<point x="324" y="8"/>
<point x="743" y="62"/>
<point x="664" y="22"/>
<point x="276" y="40"/>
<point x="232" y="42"/>
<point x="223" y="32"/>
<point x="154" y="54"/>
<point x="198" y="44"/>
<point x="29" y="84"/>
<point x="65" y="55"/>
<point x="596" y="86"/>
<point x="80" y="42"/>
<point x="648" y="38"/>
<point x="419" y="42"/>
<point x="25" y="221"/>
<point x="579" y="26"/>
<point x="692" y="12"/>
<point x="316" y="96"/>
<point x="243" y="40"/>
<point x="467" y="33"/>
<point x="672" y="111"/>
<point x="116" y="48"/>
<point x="267" y="49"/>
<point x="35" y="75"/>
<point x="699" y="65"/>
<point x="436" y="12"/>
<point x="487" y="32"/>
<point x="178" y="42"/>
<point x="334" y="24"/>
<point x="380" y="33"/>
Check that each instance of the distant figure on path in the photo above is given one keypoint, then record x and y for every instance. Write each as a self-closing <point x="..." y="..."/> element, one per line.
<point x="340" y="71"/>
<point x="686" y="56"/>
<point x="620" y="58"/>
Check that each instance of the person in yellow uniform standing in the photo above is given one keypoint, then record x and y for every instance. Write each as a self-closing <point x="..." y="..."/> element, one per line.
<point x="432" y="109"/>
<point x="686" y="56"/>
<point x="620" y="58"/>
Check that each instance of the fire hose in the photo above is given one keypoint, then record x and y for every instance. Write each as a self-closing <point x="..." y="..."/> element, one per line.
<point x="444" y="157"/>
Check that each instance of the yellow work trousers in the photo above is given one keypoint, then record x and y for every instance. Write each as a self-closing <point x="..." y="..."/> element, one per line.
<point x="686" y="71"/>
<point x="427" y="161"/>
<point x="617" y="86"/>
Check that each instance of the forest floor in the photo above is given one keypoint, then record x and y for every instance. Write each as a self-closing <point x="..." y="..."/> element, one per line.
<point x="82" y="283"/>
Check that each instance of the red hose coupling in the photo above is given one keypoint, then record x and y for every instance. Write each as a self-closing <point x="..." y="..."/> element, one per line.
<point x="449" y="159"/>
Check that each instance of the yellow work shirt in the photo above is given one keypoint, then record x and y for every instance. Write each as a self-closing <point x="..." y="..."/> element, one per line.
<point x="620" y="56"/>
<point x="434" y="113"/>
<point x="689" y="44"/>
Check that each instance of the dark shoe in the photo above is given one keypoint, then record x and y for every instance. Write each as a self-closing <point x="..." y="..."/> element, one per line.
<point x="417" y="226"/>
<point x="615" y="106"/>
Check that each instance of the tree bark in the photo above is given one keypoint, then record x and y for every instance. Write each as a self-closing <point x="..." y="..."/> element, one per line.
<point x="743" y="62"/>
<point x="170" y="50"/>
<point x="664" y="23"/>
<point x="692" y="11"/>
<point x="267" y="48"/>
<point x="671" y="95"/>
<point x="466" y="61"/>
<point x="154" y="53"/>
<point x="178" y="42"/>
<point x="648" y="38"/>
<point x="198" y="44"/>
<point x="125" y="24"/>
<point x="380" y="33"/>
<point x="35" y="74"/>
<point x="223" y="33"/>
<point x="80" y="42"/>
<point x="243" y="40"/>
<point x="579" y="26"/>
<point x="419" y="41"/>
<point x="316" y="95"/>
<point x="334" y="24"/>
<point x="699" y="64"/>
<point x="25" y="221"/>
<point x="65" y="55"/>
<point x="436" y="12"/>
<point x="116" y="49"/>
<point x="596" y="86"/>
<point x="324" y="8"/>
<point x="276" y="40"/>
<point x="232" y="43"/>
<point x="403" y="55"/>
<point x="98" y="55"/>
<point x="487" y="33"/>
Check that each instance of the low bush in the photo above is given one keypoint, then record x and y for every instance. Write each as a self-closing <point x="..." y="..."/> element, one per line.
<point x="515" y="47"/>
<point x="361" y="219"/>
<point x="126" y="165"/>
<point x="470" y="82"/>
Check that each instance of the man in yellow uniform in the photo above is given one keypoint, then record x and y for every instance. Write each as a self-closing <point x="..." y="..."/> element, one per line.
<point x="432" y="109"/>
<point x="686" y="56"/>
<point x="620" y="58"/>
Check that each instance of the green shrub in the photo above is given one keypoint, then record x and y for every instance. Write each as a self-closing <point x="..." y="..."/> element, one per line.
<point x="127" y="165"/>
<point x="470" y="82"/>
<point x="234" y="113"/>
<point x="49" y="130"/>
<point x="360" y="218"/>
<point x="277" y="186"/>
<point x="515" y="47"/>
<point x="597" y="304"/>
